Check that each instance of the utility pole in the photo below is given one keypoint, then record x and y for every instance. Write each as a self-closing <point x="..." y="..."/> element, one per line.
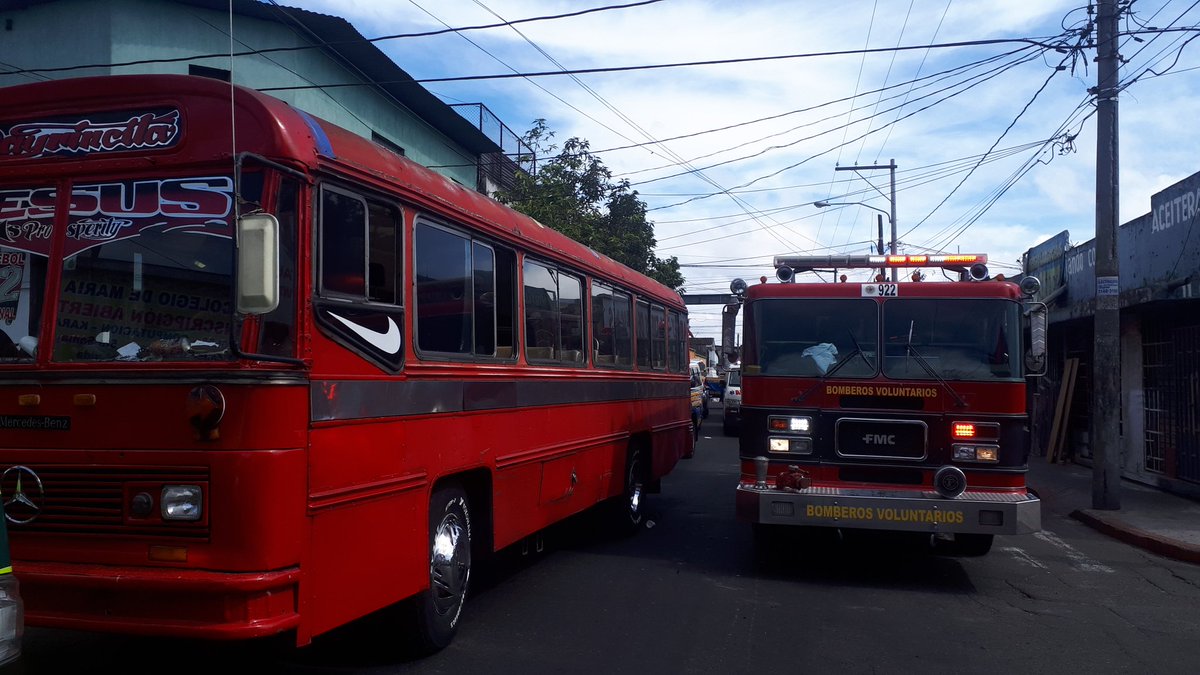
<point x="1106" y="367"/>
<point x="892" y="166"/>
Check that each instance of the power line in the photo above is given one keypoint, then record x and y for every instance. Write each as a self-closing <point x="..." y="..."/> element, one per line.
<point x="818" y="154"/>
<point x="273" y="50"/>
<point x="682" y="64"/>
<point x="940" y="76"/>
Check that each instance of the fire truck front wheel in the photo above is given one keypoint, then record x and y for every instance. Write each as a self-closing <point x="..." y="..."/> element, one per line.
<point x="439" y="607"/>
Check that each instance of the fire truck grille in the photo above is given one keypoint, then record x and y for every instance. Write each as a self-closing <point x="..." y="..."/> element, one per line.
<point x="890" y="439"/>
<point x="91" y="500"/>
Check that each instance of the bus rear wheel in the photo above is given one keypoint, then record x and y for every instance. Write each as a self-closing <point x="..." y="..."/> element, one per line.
<point x="439" y="607"/>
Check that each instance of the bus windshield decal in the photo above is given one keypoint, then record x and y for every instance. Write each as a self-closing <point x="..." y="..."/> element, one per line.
<point x="107" y="212"/>
<point x="93" y="135"/>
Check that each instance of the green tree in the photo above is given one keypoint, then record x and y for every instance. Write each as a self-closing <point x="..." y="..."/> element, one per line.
<point x="574" y="193"/>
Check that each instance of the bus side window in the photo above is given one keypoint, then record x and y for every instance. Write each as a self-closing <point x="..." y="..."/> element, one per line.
<point x="643" y="334"/>
<point x="505" y="302"/>
<point x="541" y="317"/>
<point x="570" y="297"/>
<point x="343" y="244"/>
<point x="444" y="282"/>
<point x="658" y="334"/>
<point x="383" y="254"/>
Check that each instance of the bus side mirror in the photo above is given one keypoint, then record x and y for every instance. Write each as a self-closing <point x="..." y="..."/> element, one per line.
<point x="1035" y="358"/>
<point x="257" y="263"/>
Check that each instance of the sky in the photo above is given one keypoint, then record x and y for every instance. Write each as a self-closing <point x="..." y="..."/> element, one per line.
<point x="994" y="144"/>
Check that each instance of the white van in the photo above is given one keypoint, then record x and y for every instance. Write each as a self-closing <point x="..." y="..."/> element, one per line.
<point x="733" y="402"/>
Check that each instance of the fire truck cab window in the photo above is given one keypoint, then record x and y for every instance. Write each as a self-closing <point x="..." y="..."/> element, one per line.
<point x="808" y="337"/>
<point x="960" y="339"/>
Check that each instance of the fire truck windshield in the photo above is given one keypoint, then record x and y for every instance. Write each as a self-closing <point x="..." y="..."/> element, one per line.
<point x="959" y="339"/>
<point x="811" y="337"/>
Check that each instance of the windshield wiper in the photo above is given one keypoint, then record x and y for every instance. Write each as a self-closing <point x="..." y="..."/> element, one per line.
<point x="857" y="351"/>
<point x="910" y="349"/>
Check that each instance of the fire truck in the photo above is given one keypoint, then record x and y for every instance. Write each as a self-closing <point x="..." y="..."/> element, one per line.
<point x="890" y="405"/>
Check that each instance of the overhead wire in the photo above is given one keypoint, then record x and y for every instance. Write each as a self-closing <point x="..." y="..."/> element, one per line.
<point x="949" y="235"/>
<point x="919" y="178"/>
<point x="506" y="65"/>
<point x="808" y="158"/>
<point x="1004" y="133"/>
<point x="985" y="75"/>
<point x="634" y="125"/>
<point x="921" y="66"/>
<point x="382" y="38"/>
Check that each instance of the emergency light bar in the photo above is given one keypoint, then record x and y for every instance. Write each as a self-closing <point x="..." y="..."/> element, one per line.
<point x="808" y="262"/>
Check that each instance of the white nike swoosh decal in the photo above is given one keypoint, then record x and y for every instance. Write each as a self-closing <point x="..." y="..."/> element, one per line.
<point x="388" y="341"/>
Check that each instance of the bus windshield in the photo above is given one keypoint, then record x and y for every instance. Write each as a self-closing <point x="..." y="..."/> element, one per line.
<point x="809" y="337"/>
<point x="959" y="339"/>
<point x="146" y="273"/>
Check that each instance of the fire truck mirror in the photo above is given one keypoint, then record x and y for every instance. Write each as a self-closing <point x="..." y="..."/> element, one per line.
<point x="257" y="263"/>
<point x="1035" y="358"/>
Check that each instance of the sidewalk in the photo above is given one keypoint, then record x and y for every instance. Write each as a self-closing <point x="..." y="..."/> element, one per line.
<point x="1157" y="521"/>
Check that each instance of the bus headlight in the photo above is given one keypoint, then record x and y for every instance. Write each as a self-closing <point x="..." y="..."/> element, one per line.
<point x="181" y="502"/>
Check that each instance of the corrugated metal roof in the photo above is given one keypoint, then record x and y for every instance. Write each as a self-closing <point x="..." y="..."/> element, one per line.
<point x="341" y="41"/>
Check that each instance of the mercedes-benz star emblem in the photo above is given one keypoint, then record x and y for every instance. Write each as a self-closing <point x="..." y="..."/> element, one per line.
<point x="23" y="494"/>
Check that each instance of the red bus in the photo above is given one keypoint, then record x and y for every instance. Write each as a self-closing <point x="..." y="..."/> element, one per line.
<point x="261" y="374"/>
<point x="890" y="406"/>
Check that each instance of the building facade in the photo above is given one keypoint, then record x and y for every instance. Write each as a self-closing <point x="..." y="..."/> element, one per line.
<point x="284" y="51"/>
<point x="1159" y="297"/>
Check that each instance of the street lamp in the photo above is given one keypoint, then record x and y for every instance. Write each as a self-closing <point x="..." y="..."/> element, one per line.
<point x="823" y="204"/>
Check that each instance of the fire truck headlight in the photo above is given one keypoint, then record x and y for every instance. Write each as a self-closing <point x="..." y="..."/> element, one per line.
<point x="794" y="424"/>
<point x="963" y="452"/>
<point x="795" y="446"/>
<point x="181" y="502"/>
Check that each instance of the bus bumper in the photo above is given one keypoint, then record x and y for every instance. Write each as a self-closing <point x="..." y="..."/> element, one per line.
<point x="159" y="602"/>
<point x="969" y="513"/>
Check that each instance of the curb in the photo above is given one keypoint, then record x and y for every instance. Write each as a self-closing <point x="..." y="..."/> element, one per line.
<point x="1163" y="546"/>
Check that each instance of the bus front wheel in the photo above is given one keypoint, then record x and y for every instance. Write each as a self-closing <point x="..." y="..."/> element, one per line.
<point x="439" y="607"/>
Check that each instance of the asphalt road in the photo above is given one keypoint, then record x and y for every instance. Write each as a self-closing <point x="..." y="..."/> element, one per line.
<point x="688" y="595"/>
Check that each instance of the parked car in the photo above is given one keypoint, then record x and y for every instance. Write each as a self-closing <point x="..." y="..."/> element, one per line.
<point x="733" y="402"/>
<point x="12" y="610"/>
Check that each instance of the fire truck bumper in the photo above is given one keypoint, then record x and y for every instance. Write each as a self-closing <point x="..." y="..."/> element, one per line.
<point x="159" y="602"/>
<point x="970" y="512"/>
